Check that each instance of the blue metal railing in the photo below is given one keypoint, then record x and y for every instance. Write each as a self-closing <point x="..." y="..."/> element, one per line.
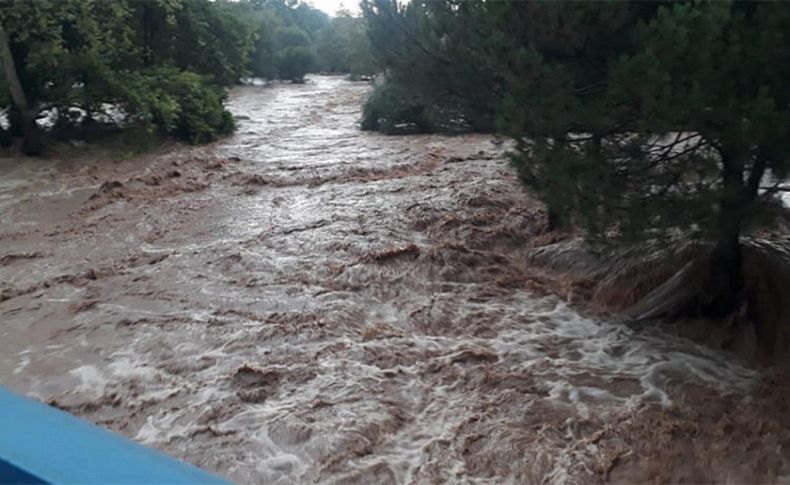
<point x="41" y="444"/>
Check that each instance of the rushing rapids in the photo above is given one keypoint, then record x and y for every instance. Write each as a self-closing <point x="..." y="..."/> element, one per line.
<point x="306" y="302"/>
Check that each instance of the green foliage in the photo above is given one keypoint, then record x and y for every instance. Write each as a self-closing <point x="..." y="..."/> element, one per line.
<point x="440" y="52"/>
<point x="344" y="47"/>
<point x="64" y="51"/>
<point x="294" y="62"/>
<point x="291" y="37"/>
<point x="672" y="127"/>
<point x="281" y="26"/>
<point x="161" y="60"/>
<point x="390" y="110"/>
<point x="263" y="62"/>
<point x="554" y="69"/>
<point x="393" y="110"/>
<point x="178" y="102"/>
<point x="207" y="37"/>
<point x="308" y="19"/>
<point x="297" y="13"/>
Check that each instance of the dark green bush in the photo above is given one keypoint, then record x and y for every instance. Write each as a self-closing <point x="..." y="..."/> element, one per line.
<point x="180" y="103"/>
<point x="394" y="110"/>
<point x="295" y="62"/>
<point x="390" y="110"/>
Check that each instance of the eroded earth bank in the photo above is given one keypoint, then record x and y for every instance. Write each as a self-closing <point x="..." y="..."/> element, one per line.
<point x="306" y="302"/>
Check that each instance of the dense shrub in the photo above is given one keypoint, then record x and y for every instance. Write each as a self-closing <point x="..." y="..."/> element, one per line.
<point x="295" y="62"/>
<point x="180" y="103"/>
<point x="392" y="109"/>
<point x="388" y="108"/>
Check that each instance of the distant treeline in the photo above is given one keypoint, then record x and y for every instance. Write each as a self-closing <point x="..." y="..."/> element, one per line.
<point x="159" y="64"/>
<point x="631" y="119"/>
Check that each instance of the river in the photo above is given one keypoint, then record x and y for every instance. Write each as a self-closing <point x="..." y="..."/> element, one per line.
<point x="307" y="302"/>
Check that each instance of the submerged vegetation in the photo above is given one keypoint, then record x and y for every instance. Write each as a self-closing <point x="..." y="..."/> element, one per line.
<point x="89" y="65"/>
<point x="633" y="120"/>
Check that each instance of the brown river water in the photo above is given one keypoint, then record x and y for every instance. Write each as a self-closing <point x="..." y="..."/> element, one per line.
<point x="305" y="302"/>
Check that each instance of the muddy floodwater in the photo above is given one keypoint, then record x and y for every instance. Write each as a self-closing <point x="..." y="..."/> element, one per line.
<point x="306" y="302"/>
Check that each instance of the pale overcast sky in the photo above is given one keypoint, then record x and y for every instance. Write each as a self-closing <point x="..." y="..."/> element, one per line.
<point x="331" y="6"/>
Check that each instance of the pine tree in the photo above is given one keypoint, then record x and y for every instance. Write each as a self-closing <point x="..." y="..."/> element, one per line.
<point x="635" y="121"/>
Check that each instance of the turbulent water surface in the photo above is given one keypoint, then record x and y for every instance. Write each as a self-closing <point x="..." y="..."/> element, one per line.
<point x="307" y="302"/>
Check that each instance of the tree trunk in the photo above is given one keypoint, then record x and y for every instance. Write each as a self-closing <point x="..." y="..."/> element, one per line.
<point x="31" y="144"/>
<point x="723" y="295"/>
<point x="15" y="122"/>
<point x="6" y="140"/>
<point x="725" y="274"/>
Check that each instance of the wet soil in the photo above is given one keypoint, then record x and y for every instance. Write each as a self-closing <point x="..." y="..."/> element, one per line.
<point x="306" y="302"/>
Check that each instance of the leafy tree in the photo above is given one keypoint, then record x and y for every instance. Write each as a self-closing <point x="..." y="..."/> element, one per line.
<point x="81" y="57"/>
<point x="295" y="57"/>
<point x="32" y="143"/>
<point x="291" y="36"/>
<point x="343" y="46"/>
<point x="295" y="62"/>
<point x="62" y="52"/>
<point x="263" y="62"/>
<point x="212" y="38"/>
<point x="281" y="26"/>
<point x="308" y="19"/>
